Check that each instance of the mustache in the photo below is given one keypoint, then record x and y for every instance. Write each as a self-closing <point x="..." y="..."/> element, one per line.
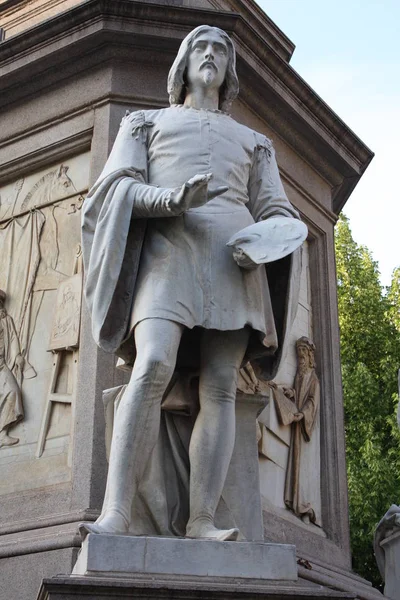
<point x="209" y="63"/>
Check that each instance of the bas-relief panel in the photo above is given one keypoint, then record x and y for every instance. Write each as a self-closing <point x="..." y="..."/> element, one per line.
<point x="39" y="255"/>
<point x="275" y="438"/>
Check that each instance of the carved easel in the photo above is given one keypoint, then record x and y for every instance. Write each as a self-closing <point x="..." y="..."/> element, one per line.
<point x="59" y="351"/>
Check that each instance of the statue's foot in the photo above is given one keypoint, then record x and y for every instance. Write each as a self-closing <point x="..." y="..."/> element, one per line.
<point x="8" y="440"/>
<point x="111" y="523"/>
<point x="207" y="531"/>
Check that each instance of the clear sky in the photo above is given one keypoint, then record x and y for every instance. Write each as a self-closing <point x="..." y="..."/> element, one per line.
<point x="348" y="51"/>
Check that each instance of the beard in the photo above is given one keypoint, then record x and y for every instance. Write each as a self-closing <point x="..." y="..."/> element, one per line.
<point x="303" y="366"/>
<point x="208" y="74"/>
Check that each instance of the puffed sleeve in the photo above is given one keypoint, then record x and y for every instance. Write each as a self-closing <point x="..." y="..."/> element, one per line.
<point x="128" y="159"/>
<point x="111" y="241"/>
<point x="267" y="197"/>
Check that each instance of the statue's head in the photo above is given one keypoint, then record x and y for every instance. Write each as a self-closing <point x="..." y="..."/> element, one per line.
<point x="179" y="75"/>
<point x="305" y="352"/>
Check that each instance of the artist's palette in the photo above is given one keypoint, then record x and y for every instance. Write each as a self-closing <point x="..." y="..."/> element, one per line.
<point x="271" y="239"/>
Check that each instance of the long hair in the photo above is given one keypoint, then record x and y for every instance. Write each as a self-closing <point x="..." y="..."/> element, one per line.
<point x="177" y="84"/>
<point x="307" y="343"/>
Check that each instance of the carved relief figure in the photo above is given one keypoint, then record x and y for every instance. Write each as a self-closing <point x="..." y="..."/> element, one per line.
<point x="32" y="239"/>
<point x="11" y="368"/>
<point x="165" y="291"/>
<point x="299" y="406"/>
<point x="8" y="203"/>
<point x="49" y="188"/>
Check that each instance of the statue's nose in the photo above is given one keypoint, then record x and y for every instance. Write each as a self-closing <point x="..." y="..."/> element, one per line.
<point x="209" y="53"/>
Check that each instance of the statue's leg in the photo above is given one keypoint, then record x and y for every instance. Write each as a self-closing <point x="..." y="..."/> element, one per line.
<point x="213" y="436"/>
<point x="137" y="421"/>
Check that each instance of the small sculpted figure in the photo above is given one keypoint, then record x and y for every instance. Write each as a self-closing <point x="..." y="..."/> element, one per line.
<point x="11" y="367"/>
<point x="299" y="407"/>
<point x="165" y="291"/>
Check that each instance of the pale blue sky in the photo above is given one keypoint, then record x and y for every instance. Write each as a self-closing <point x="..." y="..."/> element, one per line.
<point x="349" y="53"/>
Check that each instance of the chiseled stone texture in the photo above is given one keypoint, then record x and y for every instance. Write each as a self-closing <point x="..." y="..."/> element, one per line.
<point x="27" y="571"/>
<point x="127" y="556"/>
<point x="93" y="588"/>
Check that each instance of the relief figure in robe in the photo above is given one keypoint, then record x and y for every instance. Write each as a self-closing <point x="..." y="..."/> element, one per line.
<point x="299" y="406"/>
<point x="165" y="291"/>
<point x="11" y="368"/>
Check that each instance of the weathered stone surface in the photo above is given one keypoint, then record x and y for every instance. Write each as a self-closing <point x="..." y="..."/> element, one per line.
<point x="145" y="588"/>
<point x="21" y="576"/>
<point x="40" y="228"/>
<point x="127" y="556"/>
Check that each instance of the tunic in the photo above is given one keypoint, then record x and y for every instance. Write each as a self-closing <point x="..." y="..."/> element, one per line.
<point x="183" y="269"/>
<point x="187" y="273"/>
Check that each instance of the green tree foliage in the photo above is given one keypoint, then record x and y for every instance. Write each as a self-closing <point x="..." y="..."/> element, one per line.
<point x="370" y="353"/>
<point x="394" y="299"/>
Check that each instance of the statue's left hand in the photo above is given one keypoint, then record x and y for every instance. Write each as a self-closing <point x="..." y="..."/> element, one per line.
<point x="298" y="417"/>
<point x="243" y="260"/>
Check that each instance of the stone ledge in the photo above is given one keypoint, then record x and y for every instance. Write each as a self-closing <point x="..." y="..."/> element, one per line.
<point x="181" y="588"/>
<point x="128" y="556"/>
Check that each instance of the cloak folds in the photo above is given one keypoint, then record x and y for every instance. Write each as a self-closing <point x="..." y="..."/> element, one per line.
<point x="112" y="241"/>
<point x="11" y="408"/>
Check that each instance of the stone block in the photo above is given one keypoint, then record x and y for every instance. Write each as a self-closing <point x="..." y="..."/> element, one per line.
<point x="272" y="482"/>
<point x="178" y="588"/>
<point x="127" y="556"/>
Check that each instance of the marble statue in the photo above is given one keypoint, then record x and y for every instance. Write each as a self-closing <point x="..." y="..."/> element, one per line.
<point x="299" y="406"/>
<point x="169" y="297"/>
<point x="11" y="369"/>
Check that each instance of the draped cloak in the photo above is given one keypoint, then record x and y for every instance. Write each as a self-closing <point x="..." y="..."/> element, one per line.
<point x="11" y="409"/>
<point x="154" y="152"/>
<point x="298" y="490"/>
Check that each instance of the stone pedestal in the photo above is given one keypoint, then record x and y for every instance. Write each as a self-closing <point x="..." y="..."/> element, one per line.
<point x="154" y="588"/>
<point x="113" y="567"/>
<point x="130" y="556"/>
<point x="391" y="547"/>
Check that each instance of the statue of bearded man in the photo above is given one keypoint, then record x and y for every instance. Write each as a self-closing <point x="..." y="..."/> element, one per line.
<point x="164" y="290"/>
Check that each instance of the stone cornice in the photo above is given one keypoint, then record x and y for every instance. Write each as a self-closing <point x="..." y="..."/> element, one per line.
<point x="260" y="23"/>
<point x="270" y="86"/>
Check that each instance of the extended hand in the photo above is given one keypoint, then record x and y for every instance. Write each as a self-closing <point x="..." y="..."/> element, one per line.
<point x="194" y="193"/>
<point x="243" y="260"/>
<point x="298" y="417"/>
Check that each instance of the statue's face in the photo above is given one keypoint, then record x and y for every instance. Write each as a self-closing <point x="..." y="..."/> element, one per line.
<point x="207" y="61"/>
<point x="302" y="355"/>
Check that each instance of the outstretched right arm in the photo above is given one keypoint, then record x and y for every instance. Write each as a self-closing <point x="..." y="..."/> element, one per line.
<point x="129" y="152"/>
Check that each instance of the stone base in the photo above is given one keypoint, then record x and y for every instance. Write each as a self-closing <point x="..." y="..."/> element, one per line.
<point x="182" y="588"/>
<point x="129" y="556"/>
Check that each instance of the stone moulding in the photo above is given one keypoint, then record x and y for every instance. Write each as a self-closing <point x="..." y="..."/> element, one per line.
<point x="92" y="588"/>
<point x="85" y="30"/>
